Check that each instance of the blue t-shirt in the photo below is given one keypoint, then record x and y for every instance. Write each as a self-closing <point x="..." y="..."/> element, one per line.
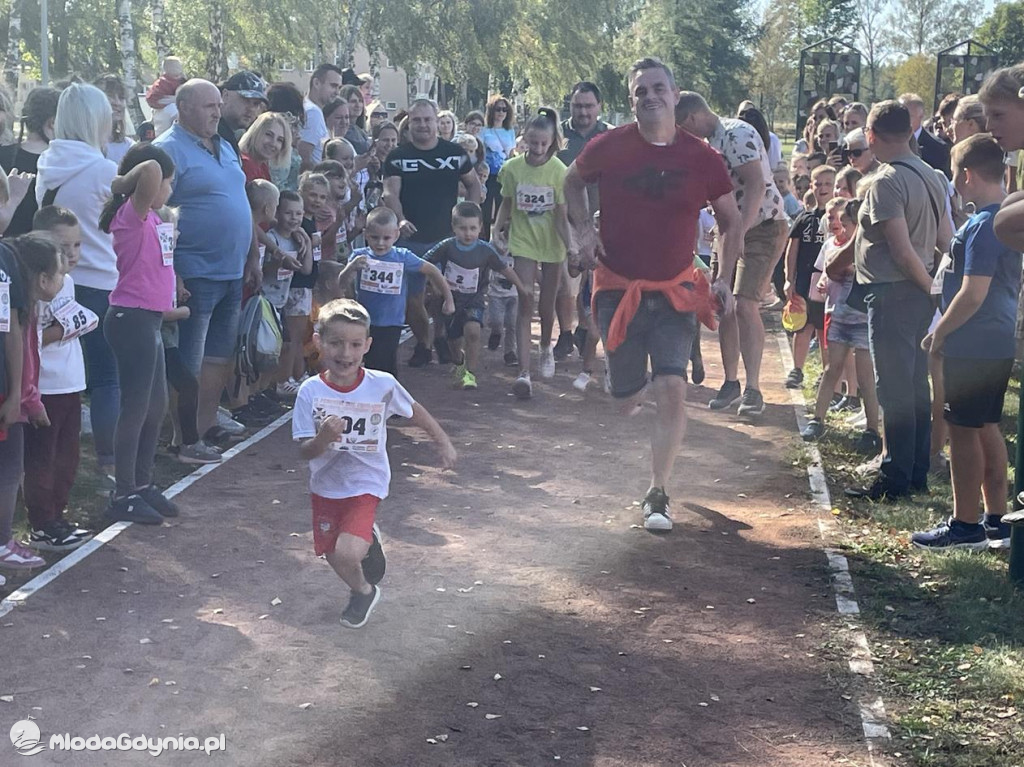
<point x="215" y="223"/>
<point x="383" y="285"/>
<point x="989" y="333"/>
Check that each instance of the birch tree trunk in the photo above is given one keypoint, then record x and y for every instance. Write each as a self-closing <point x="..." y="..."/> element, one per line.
<point x="355" y="25"/>
<point x="160" y="31"/>
<point x="12" y="63"/>
<point x="129" y="68"/>
<point x="217" y="59"/>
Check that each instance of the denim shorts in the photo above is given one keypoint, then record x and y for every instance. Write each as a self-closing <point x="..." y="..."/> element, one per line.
<point x="851" y="334"/>
<point x="211" y="331"/>
<point x="657" y="333"/>
<point x="455" y="323"/>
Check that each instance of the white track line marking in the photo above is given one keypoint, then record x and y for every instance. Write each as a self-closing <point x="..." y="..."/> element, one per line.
<point x="871" y="707"/>
<point x="17" y="598"/>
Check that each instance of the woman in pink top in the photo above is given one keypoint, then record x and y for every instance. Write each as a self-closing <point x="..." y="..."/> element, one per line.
<point x="144" y="247"/>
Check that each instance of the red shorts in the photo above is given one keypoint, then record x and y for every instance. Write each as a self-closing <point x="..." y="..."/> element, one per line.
<point x="334" y="516"/>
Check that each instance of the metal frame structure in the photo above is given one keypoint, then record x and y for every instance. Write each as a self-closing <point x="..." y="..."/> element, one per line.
<point x="971" y="64"/>
<point x="835" y="68"/>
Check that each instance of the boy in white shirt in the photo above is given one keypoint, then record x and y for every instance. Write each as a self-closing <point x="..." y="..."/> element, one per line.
<point x="52" y="452"/>
<point x="340" y="420"/>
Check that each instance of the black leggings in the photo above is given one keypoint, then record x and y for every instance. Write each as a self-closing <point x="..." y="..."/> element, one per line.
<point x="492" y="201"/>
<point x="134" y="337"/>
<point x="187" y="387"/>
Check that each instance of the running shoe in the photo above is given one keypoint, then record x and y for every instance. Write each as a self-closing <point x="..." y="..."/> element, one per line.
<point x="421" y="356"/>
<point x="522" y="387"/>
<point x="563" y="346"/>
<point x="133" y="508"/>
<point x="868" y="442"/>
<point x="15" y="556"/>
<point x="814" y="430"/>
<point x="229" y="424"/>
<point x="795" y="379"/>
<point x="287" y="389"/>
<point x="374" y="564"/>
<point x="56" y="535"/>
<point x="511" y="359"/>
<point x="457" y="373"/>
<point x="547" y="362"/>
<point x="950" y="535"/>
<point x="655" y="508"/>
<point x="752" y="403"/>
<point x="359" y="608"/>
<point x="215" y="435"/>
<point x="847" y="404"/>
<point x="997" y="531"/>
<point x="494" y="341"/>
<point x="582" y="381"/>
<point x="199" y="453"/>
<point x="468" y="380"/>
<point x="444" y="352"/>
<point x="263" y="402"/>
<point x="879" y="490"/>
<point x="727" y="396"/>
<point x="164" y="505"/>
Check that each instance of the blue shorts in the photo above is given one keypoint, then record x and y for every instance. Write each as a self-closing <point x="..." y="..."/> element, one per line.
<point x="657" y="332"/>
<point x="455" y="323"/>
<point x="851" y="334"/>
<point x="211" y="331"/>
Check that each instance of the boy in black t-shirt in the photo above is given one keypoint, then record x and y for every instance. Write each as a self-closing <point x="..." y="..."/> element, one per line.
<point x="805" y="240"/>
<point x="466" y="261"/>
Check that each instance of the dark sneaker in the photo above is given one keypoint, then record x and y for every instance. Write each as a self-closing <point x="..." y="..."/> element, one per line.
<point x="752" y="403"/>
<point x="444" y="352"/>
<point x="868" y="443"/>
<point x="264" y="403"/>
<point x="952" y="534"/>
<point x="879" y="490"/>
<point x="795" y="379"/>
<point x="164" y="505"/>
<point x="420" y="356"/>
<point x="997" y="531"/>
<point x="846" y="404"/>
<point x="522" y="387"/>
<point x="218" y="435"/>
<point x="494" y="341"/>
<point x="655" y="507"/>
<point x="727" y="396"/>
<point x="374" y="563"/>
<point x="250" y="416"/>
<point x="814" y="430"/>
<point x="359" y="608"/>
<point x="697" y="370"/>
<point x="133" y="508"/>
<point x="511" y="360"/>
<point x="834" y="402"/>
<point x="579" y="337"/>
<point x="56" y="536"/>
<point x="563" y="346"/>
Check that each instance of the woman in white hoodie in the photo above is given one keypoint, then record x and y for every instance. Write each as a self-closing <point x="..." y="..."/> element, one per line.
<point x="74" y="174"/>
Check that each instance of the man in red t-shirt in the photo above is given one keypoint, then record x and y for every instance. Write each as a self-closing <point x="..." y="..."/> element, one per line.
<point x="653" y="180"/>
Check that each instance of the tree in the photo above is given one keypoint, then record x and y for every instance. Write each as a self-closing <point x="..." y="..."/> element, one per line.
<point x="775" y="61"/>
<point x="12" y="61"/>
<point x="916" y="75"/>
<point x="129" y="69"/>
<point x="1004" y="32"/>
<point x="926" y="26"/>
<point x="821" y="19"/>
<point x="871" y="39"/>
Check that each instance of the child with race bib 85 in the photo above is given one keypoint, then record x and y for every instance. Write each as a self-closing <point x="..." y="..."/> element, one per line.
<point x="340" y="420"/>
<point x="382" y="287"/>
<point x="533" y="208"/>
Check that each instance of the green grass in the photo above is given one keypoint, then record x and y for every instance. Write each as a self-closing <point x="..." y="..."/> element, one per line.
<point x="947" y="631"/>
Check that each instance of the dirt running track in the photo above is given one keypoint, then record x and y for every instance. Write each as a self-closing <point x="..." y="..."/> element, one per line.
<point x="524" y="563"/>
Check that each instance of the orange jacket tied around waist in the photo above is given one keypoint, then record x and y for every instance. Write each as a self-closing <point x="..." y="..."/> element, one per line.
<point x="688" y="291"/>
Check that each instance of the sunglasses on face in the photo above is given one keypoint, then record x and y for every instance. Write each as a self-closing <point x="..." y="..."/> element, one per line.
<point x="856" y="152"/>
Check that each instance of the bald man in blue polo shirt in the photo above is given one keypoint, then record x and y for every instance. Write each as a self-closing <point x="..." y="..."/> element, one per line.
<point x="215" y="252"/>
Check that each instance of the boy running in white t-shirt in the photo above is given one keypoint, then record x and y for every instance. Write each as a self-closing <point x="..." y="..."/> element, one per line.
<point x="340" y="420"/>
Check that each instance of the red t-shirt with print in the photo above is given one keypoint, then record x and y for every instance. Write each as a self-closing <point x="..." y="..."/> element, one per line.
<point x="651" y="197"/>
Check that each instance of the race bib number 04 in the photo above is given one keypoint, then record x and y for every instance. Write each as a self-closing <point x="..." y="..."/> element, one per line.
<point x="535" y="199"/>
<point x="461" y="280"/>
<point x="363" y="424"/>
<point x="382" y="277"/>
<point x="76" y="320"/>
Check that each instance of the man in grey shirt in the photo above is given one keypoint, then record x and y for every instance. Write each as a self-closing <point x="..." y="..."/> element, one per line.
<point x="902" y="222"/>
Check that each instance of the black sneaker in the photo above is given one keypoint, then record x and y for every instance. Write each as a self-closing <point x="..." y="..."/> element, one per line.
<point x="950" y="535"/>
<point x="511" y="359"/>
<point x="997" y="531"/>
<point x="55" y="536"/>
<point x="727" y="396"/>
<point x="795" y="379"/>
<point x="868" y="443"/>
<point x="879" y="490"/>
<point x="374" y="563"/>
<point x="834" y="402"/>
<point x="814" y="430"/>
<point x="655" y="508"/>
<point x="250" y="417"/>
<point x="267" y="405"/>
<point x="848" y="403"/>
<point x="420" y="356"/>
<point x="359" y="608"/>
<point x="563" y="346"/>
<point x="494" y="341"/>
<point x="164" y="505"/>
<point x="133" y="508"/>
<point x="444" y="352"/>
<point x="752" y="403"/>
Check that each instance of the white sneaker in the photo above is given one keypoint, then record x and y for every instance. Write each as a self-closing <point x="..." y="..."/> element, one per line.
<point x="288" y="389"/>
<point x="582" y="381"/>
<point x="229" y="424"/>
<point x="2" y="580"/>
<point x="522" y="387"/>
<point x="655" y="508"/>
<point x="547" y="362"/>
<point x="14" y="556"/>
